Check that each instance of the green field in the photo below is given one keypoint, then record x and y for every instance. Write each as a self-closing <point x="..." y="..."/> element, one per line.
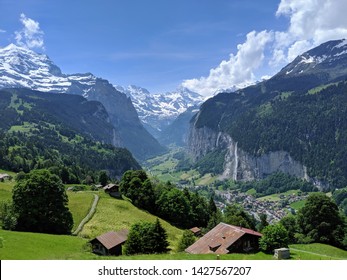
<point x="79" y="205"/>
<point x="36" y="246"/>
<point x="116" y="214"/>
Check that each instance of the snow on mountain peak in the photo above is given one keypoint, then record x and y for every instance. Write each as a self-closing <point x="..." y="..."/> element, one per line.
<point x="158" y="110"/>
<point x="22" y="67"/>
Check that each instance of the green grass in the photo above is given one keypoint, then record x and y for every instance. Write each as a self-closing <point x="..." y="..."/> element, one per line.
<point x="298" y="204"/>
<point x="6" y="190"/>
<point x="79" y="205"/>
<point x="317" y="251"/>
<point x="276" y="197"/>
<point x="116" y="214"/>
<point x="37" y="246"/>
<point x="206" y="179"/>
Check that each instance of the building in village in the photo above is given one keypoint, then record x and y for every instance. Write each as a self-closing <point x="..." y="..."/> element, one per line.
<point x="226" y="239"/>
<point x="110" y="243"/>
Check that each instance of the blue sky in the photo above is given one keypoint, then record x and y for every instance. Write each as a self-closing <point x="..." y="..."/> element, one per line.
<point x="159" y="44"/>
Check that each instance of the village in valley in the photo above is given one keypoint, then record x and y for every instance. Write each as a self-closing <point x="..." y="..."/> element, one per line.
<point x="274" y="208"/>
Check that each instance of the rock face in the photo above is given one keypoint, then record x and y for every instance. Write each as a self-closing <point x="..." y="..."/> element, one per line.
<point x="238" y="164"/>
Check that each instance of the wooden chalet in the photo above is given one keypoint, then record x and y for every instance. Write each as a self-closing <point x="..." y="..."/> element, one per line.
<point x="112" y="190"/>
<point x="110" y="243"/>
<point x="4" y="177"/>
<point x="196" y="231"/>
<point x="226" y="239"/>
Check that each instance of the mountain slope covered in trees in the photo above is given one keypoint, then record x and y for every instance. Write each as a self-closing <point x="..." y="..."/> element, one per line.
<point x="65" y="133"/>
<point x="301" y="110"/>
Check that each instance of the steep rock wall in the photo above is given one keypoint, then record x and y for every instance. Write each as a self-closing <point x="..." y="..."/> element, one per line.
<point x="238" y="164"/>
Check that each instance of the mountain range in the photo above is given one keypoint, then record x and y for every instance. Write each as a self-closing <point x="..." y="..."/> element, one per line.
<point x="158" y="110"/>
<point x="295" y="122"/>
<point x="23" y="68"/>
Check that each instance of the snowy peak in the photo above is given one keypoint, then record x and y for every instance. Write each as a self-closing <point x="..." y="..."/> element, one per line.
<point x="328" y="56"/>
<point x="158" y="110"/>
<point x="21" y="67"/>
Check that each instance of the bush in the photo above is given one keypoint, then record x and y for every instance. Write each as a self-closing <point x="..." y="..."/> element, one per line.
<point x="274" y="237"/>
<point x="187" y="239"/>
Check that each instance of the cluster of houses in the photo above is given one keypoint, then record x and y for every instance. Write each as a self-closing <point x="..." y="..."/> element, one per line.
<point x="275" y="210"/>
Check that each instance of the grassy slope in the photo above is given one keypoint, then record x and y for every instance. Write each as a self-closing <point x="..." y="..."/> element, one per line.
<point x="36" y="246"/>
<point x="79" y="205"/>
<point x="115" y="214"/>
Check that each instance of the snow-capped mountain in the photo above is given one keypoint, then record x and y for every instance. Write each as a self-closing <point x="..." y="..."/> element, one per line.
<point x="330" y="56"/>
<point x="21" y="67"/>
<point x="24" y="68"/>
<point x="159" y="110"/>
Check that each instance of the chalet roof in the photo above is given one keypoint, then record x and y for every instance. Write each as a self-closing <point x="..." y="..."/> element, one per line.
<point x="195" y="229"/>
<point x="112" y="238"/>
<point x="4" y="176"/>
<point x="219" y="239"/>
<point x="110" y="186"/>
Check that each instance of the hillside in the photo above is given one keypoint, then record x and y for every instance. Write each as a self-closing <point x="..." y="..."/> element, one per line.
<point x="294" y="122"/>
<point x="24" y="68"/>
<point x="43" y="130"/>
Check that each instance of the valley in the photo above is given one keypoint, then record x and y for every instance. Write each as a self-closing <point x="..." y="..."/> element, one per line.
<point x="275" y="206"/>
<point x="268" y="158"/>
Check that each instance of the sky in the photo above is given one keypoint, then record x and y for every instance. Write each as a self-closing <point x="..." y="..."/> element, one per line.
<point x="204" y="45"/>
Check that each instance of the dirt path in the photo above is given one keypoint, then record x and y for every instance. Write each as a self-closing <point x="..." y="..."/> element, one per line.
<point x="89" y="215"/>
<point x="321" y="255"/>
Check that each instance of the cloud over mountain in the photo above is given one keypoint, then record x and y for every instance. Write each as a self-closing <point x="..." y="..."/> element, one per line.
<point x="31" y="35"/>
<point x="265" y="52"/>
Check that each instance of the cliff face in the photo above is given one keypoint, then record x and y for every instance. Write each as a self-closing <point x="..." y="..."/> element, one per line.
<point x="238" y="164"/>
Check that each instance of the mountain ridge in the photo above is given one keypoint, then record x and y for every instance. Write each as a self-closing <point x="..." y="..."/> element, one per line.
<point x="23" y="68"/>
<point x="158" y="110"/>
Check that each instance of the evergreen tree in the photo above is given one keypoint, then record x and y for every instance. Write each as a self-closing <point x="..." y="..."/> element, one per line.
<point x="160" y="243"/>
<point x="187" y="239"/>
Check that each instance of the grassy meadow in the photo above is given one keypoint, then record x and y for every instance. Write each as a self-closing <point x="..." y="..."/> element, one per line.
<point x="37" y="246"/>
<point x="116" y="214"/>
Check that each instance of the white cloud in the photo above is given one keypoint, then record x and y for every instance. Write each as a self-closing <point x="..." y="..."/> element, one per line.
<point x="238" y="70"/>
<point x="2" y="30"/>
<point x="30" y="36"/>
<point x="311" y="22"/>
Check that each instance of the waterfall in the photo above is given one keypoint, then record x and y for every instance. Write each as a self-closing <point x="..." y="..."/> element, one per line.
<point x="217" y="141"/>
<point x="236" y="160"/>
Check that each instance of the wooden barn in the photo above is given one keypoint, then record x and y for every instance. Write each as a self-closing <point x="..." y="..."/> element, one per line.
<point x="110" y="243"/>
<point x="226" y="239"/>
<point x="112" y="190"/>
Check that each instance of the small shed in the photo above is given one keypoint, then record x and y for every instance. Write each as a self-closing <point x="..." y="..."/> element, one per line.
<point x="112" y="190"/>
<point x="282" y="254"/>
<point x="4" y="177"/>
<point x="196" y="231"/>
<point x="110" y="243"/>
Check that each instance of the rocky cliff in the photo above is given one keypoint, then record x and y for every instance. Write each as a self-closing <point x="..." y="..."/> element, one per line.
<point x="238" y="164"/>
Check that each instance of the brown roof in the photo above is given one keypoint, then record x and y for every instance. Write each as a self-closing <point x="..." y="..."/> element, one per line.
<point x="195" y="229"/>
<point x="219" y="239"/>
<point x="110" y="186"/>
<point x="112" y="239"/>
